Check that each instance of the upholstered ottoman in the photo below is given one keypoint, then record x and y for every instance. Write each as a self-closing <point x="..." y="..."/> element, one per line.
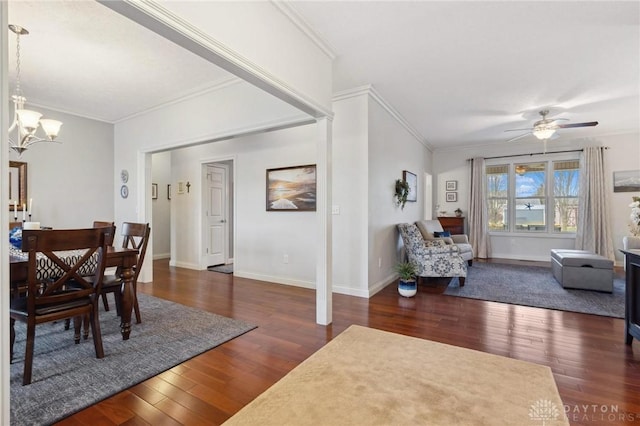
<point x="582" y="269"/>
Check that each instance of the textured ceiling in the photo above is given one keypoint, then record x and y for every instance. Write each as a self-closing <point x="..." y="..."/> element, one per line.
<point x="83" y="58"/>
<point x="460" y="73"/>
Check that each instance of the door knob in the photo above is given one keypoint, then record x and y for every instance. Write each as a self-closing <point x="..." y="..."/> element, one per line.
<point x="222" y="221"/>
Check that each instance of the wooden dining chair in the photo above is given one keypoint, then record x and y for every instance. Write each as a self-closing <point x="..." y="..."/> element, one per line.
<point x="111" y="236"/>
<point x="135" y="235"/>
<point x="102" y="224"/>
<point x="70" y="295"/>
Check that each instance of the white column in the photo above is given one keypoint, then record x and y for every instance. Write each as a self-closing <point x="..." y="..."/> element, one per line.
<point x="324" y="309"/>
<point x="4" y="217"/>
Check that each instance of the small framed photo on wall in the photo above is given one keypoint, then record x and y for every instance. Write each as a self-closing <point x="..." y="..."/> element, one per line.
<point x="452" y="197"/>
<point x="412" y="180"/>
<point x="452" y="185"/>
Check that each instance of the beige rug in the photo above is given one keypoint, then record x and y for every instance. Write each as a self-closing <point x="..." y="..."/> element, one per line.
<point x="367" y="376"/>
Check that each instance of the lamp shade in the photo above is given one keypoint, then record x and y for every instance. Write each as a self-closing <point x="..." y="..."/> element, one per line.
<point x="50" y="127"/>
<point x="543" y="133"/>
<point x="28" y="119"/>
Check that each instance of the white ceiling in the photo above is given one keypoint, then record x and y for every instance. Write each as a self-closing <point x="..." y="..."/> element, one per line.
<point x="83" y="58"/>
<point x="460" y="73"/>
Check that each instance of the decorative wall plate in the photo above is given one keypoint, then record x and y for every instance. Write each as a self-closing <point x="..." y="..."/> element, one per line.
<point x="124" y="191"/>
<point x="124" y="176"/>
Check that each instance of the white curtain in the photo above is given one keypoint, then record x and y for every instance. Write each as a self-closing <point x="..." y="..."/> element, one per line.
<point x="478" y="236"/>
<point x="593" y="231"/>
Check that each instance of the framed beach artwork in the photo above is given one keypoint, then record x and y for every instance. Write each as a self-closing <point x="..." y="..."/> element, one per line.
<point x="626" y="181"/>
<point x="452" y="197"/>
<point x="451" y="185"/>
<point x="291" y="188"/>
<point x="412" y="180"/>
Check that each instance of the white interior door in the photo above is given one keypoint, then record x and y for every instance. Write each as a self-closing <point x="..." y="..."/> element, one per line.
<point x="216" y="223"/>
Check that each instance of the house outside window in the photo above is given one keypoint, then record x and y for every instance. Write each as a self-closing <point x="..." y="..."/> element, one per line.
<point x="538" y="197"/>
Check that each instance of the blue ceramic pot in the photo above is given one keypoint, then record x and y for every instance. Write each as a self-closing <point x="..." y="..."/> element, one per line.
<point x="407" y="288"/>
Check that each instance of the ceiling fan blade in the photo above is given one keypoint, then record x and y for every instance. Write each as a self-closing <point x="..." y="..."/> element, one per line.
<point x="518" y="137"/>
<point x="587" y="124"/>
<point x="519" y="130"/>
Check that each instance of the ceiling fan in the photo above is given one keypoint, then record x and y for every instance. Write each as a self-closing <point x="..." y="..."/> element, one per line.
<point x="545" y="128"/>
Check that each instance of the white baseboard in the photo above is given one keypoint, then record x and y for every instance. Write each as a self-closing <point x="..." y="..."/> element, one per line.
<point x="520" y="257"/>
<point x="349" y="291"/>
<point x="274" y="279"/>
<point x="185" y="265"/>
<point x="299" y="283"/>
<point x="377" y="286"/>
<point x="161" y="256"/>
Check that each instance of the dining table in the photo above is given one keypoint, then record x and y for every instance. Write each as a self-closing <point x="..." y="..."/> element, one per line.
<point x="124" y="259"/>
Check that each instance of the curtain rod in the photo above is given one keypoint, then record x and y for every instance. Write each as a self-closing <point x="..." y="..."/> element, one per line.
<point x="537" y="153"/>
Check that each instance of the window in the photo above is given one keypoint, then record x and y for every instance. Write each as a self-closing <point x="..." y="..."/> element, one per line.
<point x="498" y="197"/>
<point x="528" y="197"/>
<point x="565" y="193"/>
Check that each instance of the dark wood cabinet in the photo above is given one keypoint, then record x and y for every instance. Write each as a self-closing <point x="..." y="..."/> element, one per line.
<point x="632" y="295"/>
<point x="453" y="224"/>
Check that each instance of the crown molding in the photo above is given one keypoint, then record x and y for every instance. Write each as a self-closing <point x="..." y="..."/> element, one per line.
<point x="192" y="94"/>
<point x="162" y="21"/>
<point x="236" y="132"/>
<point x="299" y="21"/>
<point x="373" y="93"/>
<point x="37" y="104"/>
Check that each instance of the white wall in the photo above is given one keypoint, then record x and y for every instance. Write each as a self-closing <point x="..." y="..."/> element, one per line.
<point x="392" y="149"/>
<point x="623" y="154"/>
<point x="72" y="183"/>
<point x="350" y="195"/>
<point x="262" y="34"/>
<point x="161" y="207"/>
<point x="235" y="109"/>
<point x="262" y="237"/>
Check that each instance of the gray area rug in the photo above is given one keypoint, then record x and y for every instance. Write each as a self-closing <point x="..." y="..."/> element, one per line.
<point x="69" y="377"/>
<point x="225" y="269"/>
<point x="535" y="286"/>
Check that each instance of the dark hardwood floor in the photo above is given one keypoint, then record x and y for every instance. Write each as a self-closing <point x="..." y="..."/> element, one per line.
<point x="598" y="376"/>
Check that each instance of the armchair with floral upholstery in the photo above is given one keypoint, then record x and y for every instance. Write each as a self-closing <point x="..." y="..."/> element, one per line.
<point x="434" y="258"/>
<point x="432" y="229"/>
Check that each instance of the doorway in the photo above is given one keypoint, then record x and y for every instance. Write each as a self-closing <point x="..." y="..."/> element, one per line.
<point x="217" y="213"/>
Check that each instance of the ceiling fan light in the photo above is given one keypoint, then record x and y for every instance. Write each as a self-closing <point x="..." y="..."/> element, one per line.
<point x="521" y="169"/>
<point x="50" y="127"/>
<point x="543" y="133"/>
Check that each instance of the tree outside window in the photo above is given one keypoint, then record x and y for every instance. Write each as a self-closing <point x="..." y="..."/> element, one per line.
<point x="542" y="193"/>
<point x="566" y="188"/>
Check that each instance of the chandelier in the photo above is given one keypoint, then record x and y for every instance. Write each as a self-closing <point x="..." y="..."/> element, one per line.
<point x="22" y="132"/>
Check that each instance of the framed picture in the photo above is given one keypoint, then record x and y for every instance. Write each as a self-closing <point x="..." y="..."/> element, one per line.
<point x="452" y="197"/>
<point x="452" y="185"/>
<point x="17" y="184"/>
<point x="291" y="188"/>
<point x="412" y="180"/>
<point x="169" y="191"/>
<point x="154" y="191"/>
<point x="626" y="181"/>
